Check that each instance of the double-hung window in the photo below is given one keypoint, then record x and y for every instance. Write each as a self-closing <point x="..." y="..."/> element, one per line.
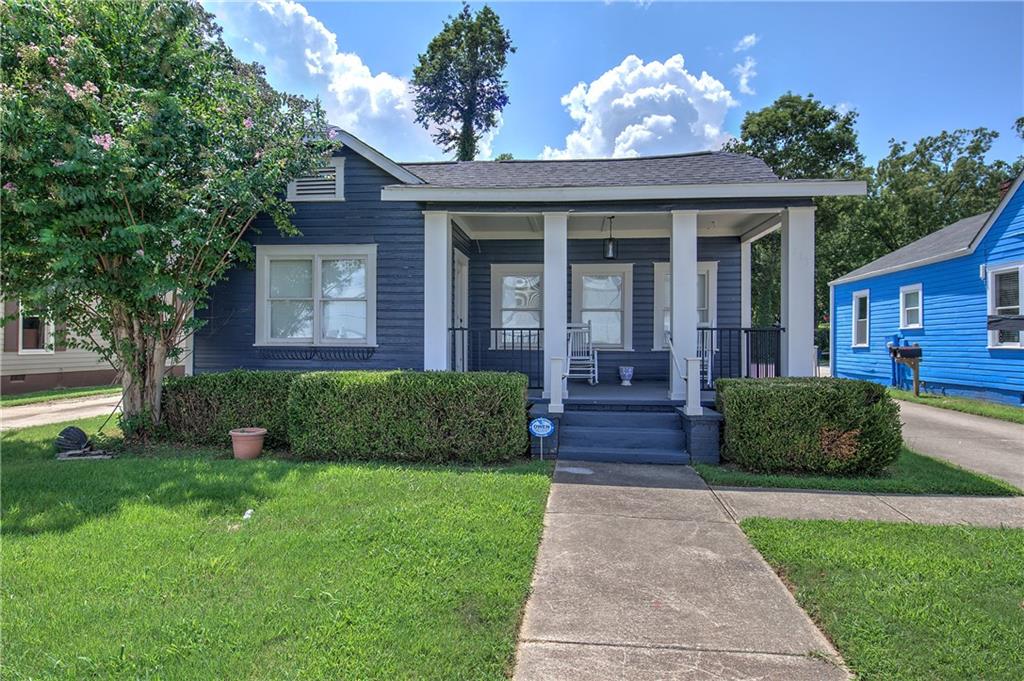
<point x="602" y="294"/>
<point x="861" y="319"/>
<point x="316" y="295"/>
<point x="1004" y="298"/>
<point x="707" y="299"/>
<point x="517" y="305"/>
<point x="35" y="333"/>
<point x="911" y="307"/>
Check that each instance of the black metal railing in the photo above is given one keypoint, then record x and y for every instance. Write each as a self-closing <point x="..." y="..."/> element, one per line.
<point x="737" y="352"/>
<point x="495" y="349"/>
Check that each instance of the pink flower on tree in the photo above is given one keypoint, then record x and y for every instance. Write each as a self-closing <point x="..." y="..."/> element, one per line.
<point x="104" y="140"/>
<point x="90" y="88"/>
<point x="73" y="91"/>
<point x="247" y="122"/>
<point x="10" y="186"/>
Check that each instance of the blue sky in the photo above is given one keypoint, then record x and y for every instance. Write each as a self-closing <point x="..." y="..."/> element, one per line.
<point x="595" y="79"/>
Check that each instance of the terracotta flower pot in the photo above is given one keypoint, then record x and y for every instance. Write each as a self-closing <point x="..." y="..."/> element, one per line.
<point x="247" y="443"/>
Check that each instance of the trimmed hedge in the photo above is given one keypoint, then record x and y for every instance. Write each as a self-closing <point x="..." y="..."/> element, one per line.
<point x="473" y="417"/>
<point x="809" y="425"/>
<point x="202" y="409"/>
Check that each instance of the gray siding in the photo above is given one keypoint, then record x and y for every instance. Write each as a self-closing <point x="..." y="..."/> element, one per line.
<point x="226" y="341"/>
<point x="642" y="253"/>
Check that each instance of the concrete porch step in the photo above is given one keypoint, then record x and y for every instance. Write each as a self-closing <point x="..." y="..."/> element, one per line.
<point x="623" y="438"/>
<point x="614" y="455"/>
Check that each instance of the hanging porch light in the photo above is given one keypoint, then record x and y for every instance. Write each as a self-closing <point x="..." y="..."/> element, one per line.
<point x="611" y="246"/>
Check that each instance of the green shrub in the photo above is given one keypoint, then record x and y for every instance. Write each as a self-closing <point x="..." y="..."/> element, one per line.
<point x="409" y="416"/>
<point x="202" y="409"/>
<point x="811" y="425"/>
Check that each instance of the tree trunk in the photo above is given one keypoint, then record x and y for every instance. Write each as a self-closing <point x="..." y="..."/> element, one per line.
<point x="143" y="362"/>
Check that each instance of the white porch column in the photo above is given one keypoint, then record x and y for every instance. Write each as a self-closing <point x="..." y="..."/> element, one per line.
<point x="798" y="291"/>
<point x="556" y="301"/>
<point x="683" y="258"/>
<point x="745" y="302"/>
<point x="437" y="289"/>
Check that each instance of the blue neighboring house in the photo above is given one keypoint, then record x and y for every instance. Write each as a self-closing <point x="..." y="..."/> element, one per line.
<point x="956" y="293"/>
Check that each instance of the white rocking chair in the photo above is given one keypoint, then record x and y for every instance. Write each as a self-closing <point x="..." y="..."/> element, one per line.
<point x="581" y="353"/>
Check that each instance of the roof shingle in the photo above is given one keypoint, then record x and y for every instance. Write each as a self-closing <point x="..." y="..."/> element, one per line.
<point x="705" y="167"/>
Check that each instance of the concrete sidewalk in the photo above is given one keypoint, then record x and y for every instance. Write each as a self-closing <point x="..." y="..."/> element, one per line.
<point x="928" y="509"/>
<point x="978" y="443"/>
<point x="57" y="411"/>
<point x="642" y="574"/>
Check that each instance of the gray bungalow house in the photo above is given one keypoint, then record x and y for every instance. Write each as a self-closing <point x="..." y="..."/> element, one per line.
<point x="487" y="265"/>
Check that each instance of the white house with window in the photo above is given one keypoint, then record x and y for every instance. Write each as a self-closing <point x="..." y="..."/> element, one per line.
<point x="956" y="293"/>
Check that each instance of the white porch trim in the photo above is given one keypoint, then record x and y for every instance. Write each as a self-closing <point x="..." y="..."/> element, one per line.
<point x="798" y="292"/>
<point x="683" y="258"/>
<point x="556" y="301"/>
<point x="437" y="289"/>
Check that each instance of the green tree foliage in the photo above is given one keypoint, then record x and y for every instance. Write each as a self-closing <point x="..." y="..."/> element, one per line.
<point x="799" y="138"/>
<point x="136" y="152"/>
<point x="458" y="82"/>
<point x="504" y="156"/>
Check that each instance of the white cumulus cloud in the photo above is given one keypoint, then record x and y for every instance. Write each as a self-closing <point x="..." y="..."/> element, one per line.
<point x="746" y="73"/>
<point x="302" y="55"/>
<point x="639" y="108"/>
<point x="746" y="42"/>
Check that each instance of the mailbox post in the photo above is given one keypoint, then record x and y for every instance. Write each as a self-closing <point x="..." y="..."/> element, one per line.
<point x="909" y="355"/>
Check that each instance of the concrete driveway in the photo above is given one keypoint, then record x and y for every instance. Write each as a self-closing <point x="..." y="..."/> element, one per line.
<point x="57" y="411"/>
<point x="978" y="443"/>
<point x="643" y="575"/>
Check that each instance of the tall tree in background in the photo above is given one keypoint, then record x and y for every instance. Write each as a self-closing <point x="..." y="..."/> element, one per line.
<point x="458" y="82"/>
<point x="799" y="138"/>
<point x="136" y="152"/>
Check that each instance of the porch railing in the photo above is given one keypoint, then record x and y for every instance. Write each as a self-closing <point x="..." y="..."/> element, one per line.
<point x="738" y="352"/>
<point x="496" y="349"/>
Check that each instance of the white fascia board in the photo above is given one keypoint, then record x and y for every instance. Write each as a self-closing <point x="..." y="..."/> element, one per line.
<point x="376" y="158"/>
<point x="742" y="190"/>
<point x="905" y="266"/>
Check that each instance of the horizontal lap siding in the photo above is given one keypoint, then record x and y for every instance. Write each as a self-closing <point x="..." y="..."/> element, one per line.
<point x="226" y="341"/>
<point x="954" y="338"/>
<point x="642" y="253"/>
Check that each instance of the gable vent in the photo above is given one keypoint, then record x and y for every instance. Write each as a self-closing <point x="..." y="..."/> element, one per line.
<point x="327" y="184"/>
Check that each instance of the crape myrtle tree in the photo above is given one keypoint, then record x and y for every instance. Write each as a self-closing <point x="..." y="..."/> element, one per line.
<point x="458" y="85"/>
<point x="136" y="152"/>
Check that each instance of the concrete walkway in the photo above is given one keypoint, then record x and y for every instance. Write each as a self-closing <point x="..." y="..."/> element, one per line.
<point x="749" y="502"/>
<point x="643" y="574"/>
<point x="57" y="411"/>
<point x="978" y="443"/>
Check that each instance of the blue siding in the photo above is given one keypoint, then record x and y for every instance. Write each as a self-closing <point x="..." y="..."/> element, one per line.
<point x="954" y="339"/>
<point x="642" y="253"/>
<point x="226" y="341"/>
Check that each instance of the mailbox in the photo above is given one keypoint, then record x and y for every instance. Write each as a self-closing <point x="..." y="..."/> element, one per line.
<point x="906" y="351"/>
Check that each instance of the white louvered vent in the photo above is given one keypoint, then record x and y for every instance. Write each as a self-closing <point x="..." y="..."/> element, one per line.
<point x="327" y="184"/>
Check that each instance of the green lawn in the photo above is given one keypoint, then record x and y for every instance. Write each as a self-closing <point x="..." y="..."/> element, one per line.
<point x="143" y="566"/>
<point x="904" y="601"/>
<point x="56" y="394"/>
<point x="1004" y="412"/>
<point x="911" y="474"/>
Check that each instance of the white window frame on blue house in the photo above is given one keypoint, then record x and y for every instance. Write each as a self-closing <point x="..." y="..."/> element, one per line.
<point x="316" y="254"/>
<point x="904" y="290"/>
<point x="581" y="270"/>
<point x="857" y="295"/>
<point x="499" y="271"/>
<point x="707" y="309"/>
<point x="993" y="272"/>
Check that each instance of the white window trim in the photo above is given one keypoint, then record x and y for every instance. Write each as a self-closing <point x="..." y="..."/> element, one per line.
<point x="339" y="184"/>
<point x="993" y="336"/>
<point x="904" y="290"/>
<point x="626" y="269"/>
<point x="866" y="294"/>
<point x="498" y="271"/>
<point x="316" y="252"/>
<point x="707" y="267"/>
<point x="48" y="346"/>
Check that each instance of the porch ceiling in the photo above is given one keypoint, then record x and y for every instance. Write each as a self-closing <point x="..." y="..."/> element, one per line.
<point x="629" y="225"/>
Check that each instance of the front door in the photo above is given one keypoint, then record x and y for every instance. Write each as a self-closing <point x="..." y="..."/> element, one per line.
<point x="460" y="311"/>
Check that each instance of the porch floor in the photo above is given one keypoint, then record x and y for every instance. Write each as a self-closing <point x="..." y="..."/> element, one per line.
<point x="640" y="393"/>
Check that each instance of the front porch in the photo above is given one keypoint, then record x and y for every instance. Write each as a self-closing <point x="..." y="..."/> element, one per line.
<point x="665" y="292"/>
